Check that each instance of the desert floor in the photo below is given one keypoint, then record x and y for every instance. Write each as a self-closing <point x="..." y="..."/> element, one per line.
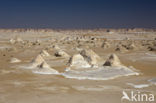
<point x="19" y="85"/>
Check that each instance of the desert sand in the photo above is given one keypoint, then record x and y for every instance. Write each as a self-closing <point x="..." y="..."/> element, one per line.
<point x="73" y="66"/>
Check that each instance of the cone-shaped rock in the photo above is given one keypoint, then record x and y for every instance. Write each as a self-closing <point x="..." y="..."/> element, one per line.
<point x="131" y="47"/>
<point x="113" y="60"/>
<point x="37" y="61"/>
<point x="19" y="40"/>
<point x="105" y="45"/>
<point x="77" y="60"/>
<point x="44" y="68"/>
<point x="90" y="56"/>
<point x="121" y="48"/>
<point x="40" y="66"/>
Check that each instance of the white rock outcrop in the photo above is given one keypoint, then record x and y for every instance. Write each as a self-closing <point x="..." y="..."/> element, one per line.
<point x="44" y="53"/>
<point x="112" y="60"/>
<point x="15" y="60"/>
<point x="90" y="56"/>
<point x="78" y="61"/>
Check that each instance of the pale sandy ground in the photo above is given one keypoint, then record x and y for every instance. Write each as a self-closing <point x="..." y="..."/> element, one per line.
<point x="22" y="86"/>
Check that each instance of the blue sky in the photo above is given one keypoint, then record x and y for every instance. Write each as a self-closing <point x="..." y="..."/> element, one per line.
<point x="79" y="14"/>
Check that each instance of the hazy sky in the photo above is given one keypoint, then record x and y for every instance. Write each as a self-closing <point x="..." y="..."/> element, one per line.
<point x="77" y="13"/>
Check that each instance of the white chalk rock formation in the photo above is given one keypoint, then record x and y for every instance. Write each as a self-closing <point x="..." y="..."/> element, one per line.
<point x="44" y="53"/>
<point x="105" y="45"/>
<point x="131" y="46"/>
<point x="78" y="61"/>
<point x="15" y="60"/>
<point x="39" y="65"/>
<point x="12" y="41"/>
<point x="44" y="68"/>
<point x="18" y="39"/>
<point x="78" y="49"/>
<point x="90" y="56"/>
<point x="61" y="53"/>
<point x="37" y="61"/>
<point x="113" y="60"/>
<point x="121" y="48"/>
<point x="112" y="69"/>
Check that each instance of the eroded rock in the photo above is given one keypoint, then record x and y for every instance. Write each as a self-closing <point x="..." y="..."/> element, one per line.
<point x="90" y="56"/>
<point x="78" y="60"/>
<point x="112" y="60"/>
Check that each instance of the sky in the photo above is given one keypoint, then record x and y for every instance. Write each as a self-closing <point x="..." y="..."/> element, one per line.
<point x="77" y="14"/>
